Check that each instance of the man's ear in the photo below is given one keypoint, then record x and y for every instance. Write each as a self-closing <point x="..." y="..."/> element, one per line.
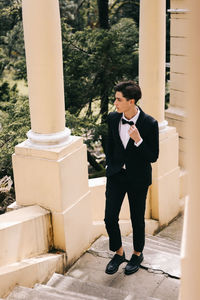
<point x="132" y="101"/>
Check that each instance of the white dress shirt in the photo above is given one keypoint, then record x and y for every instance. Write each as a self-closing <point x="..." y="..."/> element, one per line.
<point x="123" y="130"/>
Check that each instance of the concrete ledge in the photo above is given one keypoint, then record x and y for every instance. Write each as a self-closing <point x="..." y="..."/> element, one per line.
<point x="151" y="226"/>
<point x="177" y="113"/>
<point x="97" y="188"/>
<point x="13" y="206"/>
<point x="30" y="271"/>
<point x="183" y="183"/>
<point x="24" y="233"/>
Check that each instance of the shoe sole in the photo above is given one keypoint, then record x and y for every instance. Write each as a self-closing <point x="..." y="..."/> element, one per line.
<point x="110" y="273"/>
<point x="113" y="272"/>
<point x="132" y="272"/>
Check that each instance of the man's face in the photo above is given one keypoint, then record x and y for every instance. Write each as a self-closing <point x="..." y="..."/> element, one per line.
<point x="122" y="104"/>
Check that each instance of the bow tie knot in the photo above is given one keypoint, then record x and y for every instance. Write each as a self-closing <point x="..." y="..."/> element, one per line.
<point x="127" y="122"/>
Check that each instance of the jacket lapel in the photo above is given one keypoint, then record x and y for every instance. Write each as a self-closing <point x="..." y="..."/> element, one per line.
<point x="116" y="128"/>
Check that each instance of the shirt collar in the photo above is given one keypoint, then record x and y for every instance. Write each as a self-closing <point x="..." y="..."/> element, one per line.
<point x="135" y="118"/>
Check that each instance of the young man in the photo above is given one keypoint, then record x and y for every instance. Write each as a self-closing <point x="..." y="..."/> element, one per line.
<point x="133" y="144"/>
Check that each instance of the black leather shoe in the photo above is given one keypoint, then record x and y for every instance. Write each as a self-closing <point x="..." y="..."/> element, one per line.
<point x="133" y="264"/>
<point x="114" y="264"/>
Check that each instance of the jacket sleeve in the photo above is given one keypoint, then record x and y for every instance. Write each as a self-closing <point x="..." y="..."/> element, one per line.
<point x="109" y="143"/>
<point x="149" y="148"/>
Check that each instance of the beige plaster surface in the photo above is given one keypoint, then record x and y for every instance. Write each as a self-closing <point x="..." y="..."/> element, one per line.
<point x="30" y="271"/>
<point x="73" y="228"/>
<point x="168" y="156"/>
<point x="57" y="179"/>
<point x="165" y="197"/>
<point x="24" y="233"/>
<point x="179" y="27"/>
<point x="178" y="46"/>
<point x="190" y="279"/>
<point x="177" y="121"/>
<point x="49" y="153"/>
<point x="178" y="81"/>
<point x="165" y="203"/>
<point x="183" y="4"/>
<point x="179" y="31"/>
<point x="176" y="99"/>
<point x="53" y="179"/>
<point x="152" y="57"/>
<point x="97" y="187"/>
<point x="43" y="45"/>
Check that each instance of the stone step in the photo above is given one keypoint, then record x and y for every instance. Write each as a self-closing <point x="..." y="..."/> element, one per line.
<point x="43" y="292"/>
<point x="158" y="243"/>
<point x="16" y="241"/>
<point x="165" y="240"/>
<point x="67" y="283"/>
<point x="158" y="252"/>
<point x="30" y="271"/>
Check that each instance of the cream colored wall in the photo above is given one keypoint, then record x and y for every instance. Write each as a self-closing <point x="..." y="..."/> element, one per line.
<point x="57" y="179"/>
<point x="190" y="259"/>
<point x="175" y="114"/>
<point x="26" y="238"/>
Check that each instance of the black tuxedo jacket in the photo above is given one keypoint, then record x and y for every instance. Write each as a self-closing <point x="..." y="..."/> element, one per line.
<point x="136" y="159"/>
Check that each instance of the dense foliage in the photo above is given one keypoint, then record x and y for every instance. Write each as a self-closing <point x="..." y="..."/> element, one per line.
<point x="100" y="47"/>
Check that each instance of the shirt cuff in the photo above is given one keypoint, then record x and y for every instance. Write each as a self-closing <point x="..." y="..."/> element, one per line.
<point x="139" y="143"/>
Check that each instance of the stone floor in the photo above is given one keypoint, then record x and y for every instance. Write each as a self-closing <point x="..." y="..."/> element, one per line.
<point x="159" y="275"/>
<point x="157" y="279"/>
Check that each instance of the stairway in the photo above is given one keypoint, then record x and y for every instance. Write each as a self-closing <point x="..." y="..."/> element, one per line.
<point x="62" y="287"/>
<point x="158" y="278"/>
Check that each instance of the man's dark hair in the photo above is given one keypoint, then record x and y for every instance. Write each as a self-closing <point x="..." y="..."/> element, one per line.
<point x="129" y="89"/>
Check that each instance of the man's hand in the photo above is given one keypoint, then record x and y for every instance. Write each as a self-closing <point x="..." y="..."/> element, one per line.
<point x="134" y="134"/>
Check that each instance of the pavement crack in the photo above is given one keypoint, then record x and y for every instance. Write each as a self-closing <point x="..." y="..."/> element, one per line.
<point x="99" y="253"/>
<point x="159" y="271"/>
<point x="106" y="254"/>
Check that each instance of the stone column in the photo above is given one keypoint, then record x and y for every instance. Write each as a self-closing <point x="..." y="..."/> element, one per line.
<point x="50" y="168"/>
<point x="42" y="35"/>
<point x="190" y="259"/>
<point x="165" y="187"/>
<point x="152" y="57"/>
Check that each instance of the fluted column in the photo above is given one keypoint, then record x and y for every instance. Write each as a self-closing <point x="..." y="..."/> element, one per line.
<point x="152" y="57"/>
<point x="190" y="279"/>
<point x="43" y="46"/>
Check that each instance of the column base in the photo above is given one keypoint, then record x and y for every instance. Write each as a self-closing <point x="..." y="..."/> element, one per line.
<point x="43" y="141"/>
<point x="165" y="203"/>
<point x="57" y="179"/>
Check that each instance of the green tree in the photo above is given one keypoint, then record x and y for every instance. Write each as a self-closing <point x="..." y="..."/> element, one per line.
<point x="15" y="122"/>
<point x="94" y="60"/>
<point x="96" y="55"/>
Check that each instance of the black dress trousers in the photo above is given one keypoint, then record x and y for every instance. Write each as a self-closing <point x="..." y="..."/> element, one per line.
<point x="116" y="188"/>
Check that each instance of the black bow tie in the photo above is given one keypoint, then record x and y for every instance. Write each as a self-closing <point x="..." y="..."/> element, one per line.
<point x="127" y="122"/>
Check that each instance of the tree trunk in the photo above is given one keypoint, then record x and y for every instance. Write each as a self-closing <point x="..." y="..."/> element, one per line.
<point x="103" y="24"/>
<point x="103" y="14"/>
